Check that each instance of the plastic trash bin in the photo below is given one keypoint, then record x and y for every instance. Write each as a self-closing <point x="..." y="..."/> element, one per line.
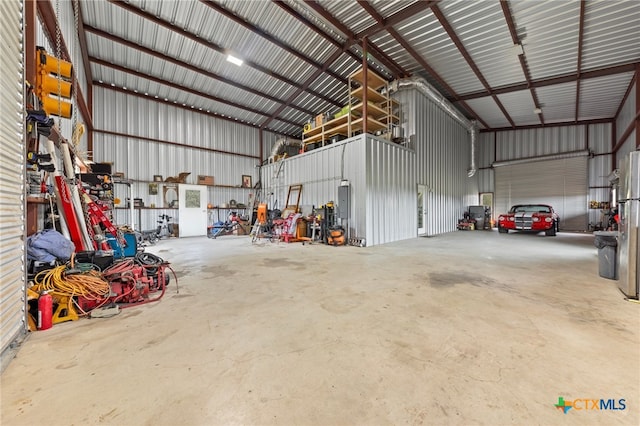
<point x="607" y="244"/>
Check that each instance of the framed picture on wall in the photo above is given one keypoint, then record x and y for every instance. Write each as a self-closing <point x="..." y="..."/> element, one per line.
<point x="153" y="189"/>
<point x="246" y="181"/>
<point x="157" y="178"/>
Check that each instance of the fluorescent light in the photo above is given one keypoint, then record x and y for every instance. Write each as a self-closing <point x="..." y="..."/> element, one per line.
<point x="234" y="60"/>
<point x="537" y="111"/>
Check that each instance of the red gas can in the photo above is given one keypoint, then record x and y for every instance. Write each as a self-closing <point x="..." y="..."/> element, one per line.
<point x="45" y="311"/>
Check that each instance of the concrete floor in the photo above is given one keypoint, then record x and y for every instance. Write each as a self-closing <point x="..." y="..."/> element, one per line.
<point x="463" y="328"/>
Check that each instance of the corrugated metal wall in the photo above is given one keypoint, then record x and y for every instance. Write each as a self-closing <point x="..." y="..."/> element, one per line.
<point x="600" y="166"/>
<point x="626" y="148"/>
<point x="515" y="144"/>
<point x="485" y="156"/>
<point x="320" y="172"/>
<point x="561" y="183"/>
<point x="627" y="112"/>
<point x="382" y="180"/>
<point x="443" y="156"/>
<point x="531" y="143"/>
<point x="140" y="159"/>
<point x="391" y="197"/>
<point x="69" y="35"/>
<point x="624" y="119"/>
<point x="12" y="176"/>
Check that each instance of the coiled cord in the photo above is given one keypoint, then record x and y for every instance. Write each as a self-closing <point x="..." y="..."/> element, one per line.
<point x="88" y="284"/>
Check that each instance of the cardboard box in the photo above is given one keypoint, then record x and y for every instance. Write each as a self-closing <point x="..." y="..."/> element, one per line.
<point x="205" y="180"/>
<point x="319" y="120"/>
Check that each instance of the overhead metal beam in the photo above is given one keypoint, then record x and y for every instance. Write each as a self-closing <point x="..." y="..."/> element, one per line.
<point x="180" y="106"/>
<point x="506" y="11"/>
<point x="240" y="21"/>
<point x="380" y="20"/>
<point x="82" y="38"/>
<point x="165" y="142"/>
<point x="633" y="125"/>
<point x="420" y="60"/>
<point x="303" y="19"/>
<point x="465" y="54"/>
<point x="395" y="69"/>
<point x="188" y="66"/>
<point x="579" y="65"/>
<point x="550" y="81"/>
<point x="398" y="17"/>
<point x="217" y="48"/>
<point x="547" y="125"/>
<point x="182" y="88"/>
<point x="49" y="19"/>
<point x="84" y="50"/>
<point x="310" y="80"/>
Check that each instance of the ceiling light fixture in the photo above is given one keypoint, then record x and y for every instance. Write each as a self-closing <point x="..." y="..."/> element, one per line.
<point x="537" y="111"/>
<point x="517" y="49"/>
<point x="234" y="60"/>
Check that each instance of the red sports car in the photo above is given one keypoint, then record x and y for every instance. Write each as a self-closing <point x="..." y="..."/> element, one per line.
<point x="529" y="217"/>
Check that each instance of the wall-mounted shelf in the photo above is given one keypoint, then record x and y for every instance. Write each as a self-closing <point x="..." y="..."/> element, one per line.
<point x="383" y="112"/>
<point x="180" y="183"/>
<point x="147" y="208"/>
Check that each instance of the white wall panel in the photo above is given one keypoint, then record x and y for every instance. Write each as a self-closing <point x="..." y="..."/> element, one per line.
<point x="600" y="138"/>
<point x="626" y="148"/>
<point x="627" y="112"/>
<point x="391" y="196"/>
<point x="12" y="176"/>
<point x="529" y="143"/>
<point x="485" y="149"/>
<point x="179" y="141"/>
<point x="443" y="154"/>
<point x="320" y="172"/>
<point x="382" y="180"/>
<point x="561" y="183"/>
<point x="123" y="113"/>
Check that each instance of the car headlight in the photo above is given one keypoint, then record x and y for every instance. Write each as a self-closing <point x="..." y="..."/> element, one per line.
<point x="512" y="219"/>
<point x="501" y="218"/>
<point x="536" y="219"/>
<point x="548" y="219"/>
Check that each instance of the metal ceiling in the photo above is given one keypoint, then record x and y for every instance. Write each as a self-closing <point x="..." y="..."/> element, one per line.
<point x="576" y="63"/>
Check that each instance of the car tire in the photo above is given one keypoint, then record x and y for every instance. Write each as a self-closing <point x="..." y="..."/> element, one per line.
<point x="551" y="232"/>
<point x="503" y="230"/>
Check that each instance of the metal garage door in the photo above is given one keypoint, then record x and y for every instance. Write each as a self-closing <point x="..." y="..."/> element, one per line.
<point x="12" y="229"/>
<point x="562" y="183"/>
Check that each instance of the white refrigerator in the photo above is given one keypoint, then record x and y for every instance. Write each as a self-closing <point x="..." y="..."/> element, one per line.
<point x="629" y="227"/>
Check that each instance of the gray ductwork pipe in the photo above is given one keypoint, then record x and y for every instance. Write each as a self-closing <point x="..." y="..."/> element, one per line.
<point x="280" y="144"/>
<point x="428" y="90"/>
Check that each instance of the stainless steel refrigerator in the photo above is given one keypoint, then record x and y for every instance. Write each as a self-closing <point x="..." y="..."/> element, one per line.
<point x="629" y="227"/>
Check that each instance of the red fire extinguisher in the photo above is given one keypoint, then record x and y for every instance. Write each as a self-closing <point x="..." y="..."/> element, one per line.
<point x="45" y="311"/>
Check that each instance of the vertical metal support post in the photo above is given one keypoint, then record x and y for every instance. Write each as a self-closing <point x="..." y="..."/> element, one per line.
<point x="30" y="17"/>
<point x="261" y="142"/>
<point x="638" y="106"/>
<point x="365" y="82"/>
<point x="90" y="132"/>
<point x="614" y="141"/>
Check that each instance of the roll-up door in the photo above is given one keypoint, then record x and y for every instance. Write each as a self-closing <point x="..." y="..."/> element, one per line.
<point x="561" y="183"/>
<point x="12" y="229"/>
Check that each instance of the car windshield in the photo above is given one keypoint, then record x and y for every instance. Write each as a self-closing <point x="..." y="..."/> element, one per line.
<point x="530" y="208"/>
